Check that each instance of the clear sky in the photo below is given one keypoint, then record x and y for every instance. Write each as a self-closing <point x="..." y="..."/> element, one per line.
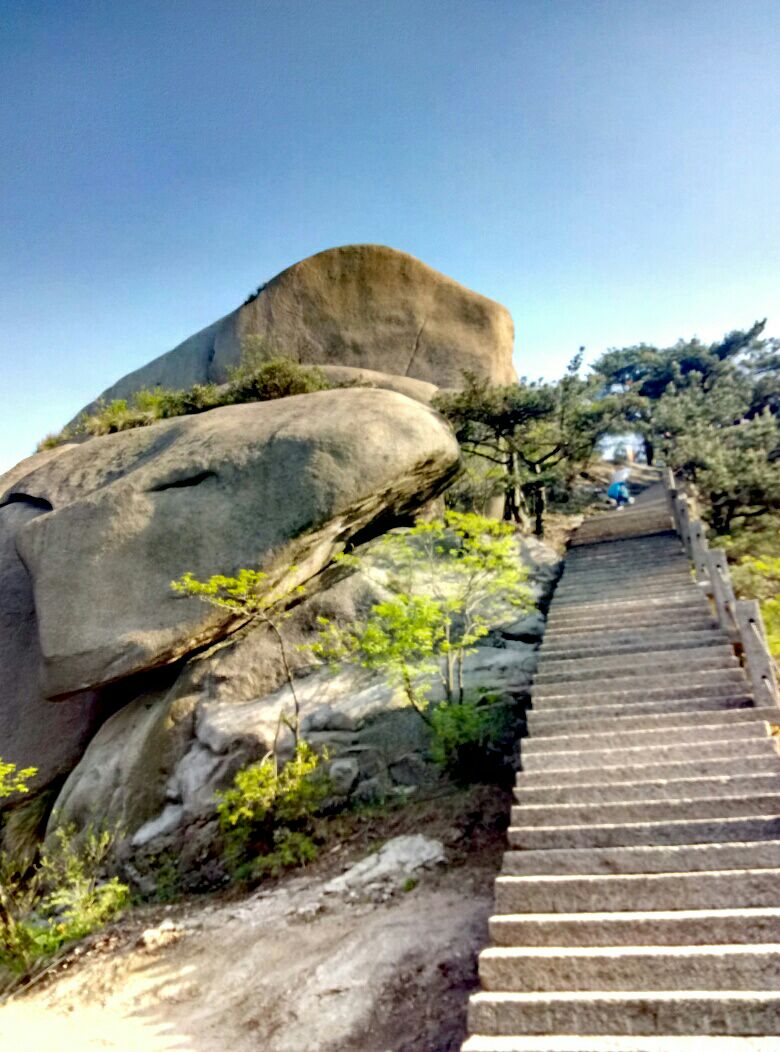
<point x="607" y="169"/>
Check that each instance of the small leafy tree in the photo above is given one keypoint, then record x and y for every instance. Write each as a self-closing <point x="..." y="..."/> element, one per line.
<point x="250" y="598"/>
<point x="453" y="578"/>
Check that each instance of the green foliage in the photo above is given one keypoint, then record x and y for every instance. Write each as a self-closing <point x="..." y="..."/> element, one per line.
<point x="759" y="578"/>
<point x="264" y="374"/>
<point x="537" y="434"/>
<point x="13" y="780"/>
<point x="258" y="378"/>
<point x="712" y="410"/>
<point x="268" y="816"/>
<point x="470" y="739"/>
<point x="250" y="596"/>
<point x="453" y="578"/>
<point x="67" y="895"/>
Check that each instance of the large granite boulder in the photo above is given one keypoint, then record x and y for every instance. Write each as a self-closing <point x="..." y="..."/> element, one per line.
<point x="363" y="306"/>
<point x="278" y="485"/>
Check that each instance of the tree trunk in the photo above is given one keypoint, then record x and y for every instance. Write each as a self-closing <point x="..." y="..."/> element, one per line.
<point x="540" y="504"/>
<point x="649" y="451"/>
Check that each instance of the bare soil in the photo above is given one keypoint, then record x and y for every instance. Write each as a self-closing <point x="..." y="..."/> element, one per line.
<point x="284" y="968"/>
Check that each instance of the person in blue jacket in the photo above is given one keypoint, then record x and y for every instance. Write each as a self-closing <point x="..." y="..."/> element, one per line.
<point x="618" y="487"/>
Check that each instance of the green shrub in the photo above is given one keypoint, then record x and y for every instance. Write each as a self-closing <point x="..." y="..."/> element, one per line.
<point x="275" y="378"/>
<point x="12" y="780"/>
<point x="268" y="816"/>
<point x="258" y="378"/>
<point x="470" y="739"/>
<point x="759" y="578"/>
<point x="65" y="897"/>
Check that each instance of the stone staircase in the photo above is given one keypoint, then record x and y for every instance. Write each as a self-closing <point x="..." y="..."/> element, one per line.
<point x="638" y="909"/>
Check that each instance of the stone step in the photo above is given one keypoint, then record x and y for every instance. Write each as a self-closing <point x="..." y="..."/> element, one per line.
<point x="668" y="858"/>
<point x="711" y="728"/>
<point x="749" y="824"/>
<point x="623" y="582"/>
<point x="721" y="656"/>
<point x="712" y="928"/>
<point x="708" y="890"/>
<point x="641" y="811"/>
<point x="539" y="969"/>
<point x="626" y="596"/>
<point x="635" y="550"/>
<point x="626" y="526"/>
<point x="561" y="697"/>
<point x="679" y="608"/>
<point x="663" y="624"/>
<point x="560" y="720"/>
<point x="619" y="644"/>
<point x="634" y="756"/>
<point x="693" y="1012"/>
<point x="664" y="789"/>
<point x="612" y="1043"/>
<point x="762" y="759"/>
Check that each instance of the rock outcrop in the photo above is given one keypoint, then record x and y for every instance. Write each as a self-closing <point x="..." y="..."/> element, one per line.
<point x="362" y="306"/>
<point x="91" y="536"/>
<point x="279" y="485"/>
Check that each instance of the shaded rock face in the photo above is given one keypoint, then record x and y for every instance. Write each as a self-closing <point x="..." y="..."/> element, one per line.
<point x="362" y="306"/>
<point x="33" y="732"/>
<point x="276" y="485"/>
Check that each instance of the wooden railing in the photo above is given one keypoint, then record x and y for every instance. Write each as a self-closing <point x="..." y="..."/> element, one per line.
<point x="740" y="618"/>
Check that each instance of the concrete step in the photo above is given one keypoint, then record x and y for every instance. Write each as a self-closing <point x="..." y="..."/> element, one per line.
<point x="627" y="526"/>
<point x="640" y="755"/>
<point x="667" y="858"/>
<point x="539" y="969"/>
<point x="612" y="612"/>
<point x="665" y="789"/>
<point x="734" y="686"/>
<point x="625" y="596"/>
<point x="720" y="656"/>
<point x="638" y="548"/>
<point x="707" y="890"/>
<point x="560" y="720"/>
<point x="631" y="677"/>
<point x="761" y="759"/>
<point x="750" y="824"/>
<point x="633" y="584"/>
<point x="619" y="644"/>
<point x="663" y="624"/>
<point x="699" y="1012"/>
<point x="684" y="808"/>
<point x="612" y="1043"/>
<point x="711" y="728"/>
<point x="712" y="928"/>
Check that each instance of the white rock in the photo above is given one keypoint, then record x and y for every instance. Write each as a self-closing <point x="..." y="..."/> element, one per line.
<point x="398" y="858"/>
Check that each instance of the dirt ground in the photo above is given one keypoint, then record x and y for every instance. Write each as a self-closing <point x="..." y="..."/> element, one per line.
<point x="288" y="968"/>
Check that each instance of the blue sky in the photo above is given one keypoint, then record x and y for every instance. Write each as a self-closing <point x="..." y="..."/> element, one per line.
<point x="607" y="169"/>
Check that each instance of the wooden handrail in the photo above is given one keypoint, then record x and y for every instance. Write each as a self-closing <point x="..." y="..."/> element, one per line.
<point x="740" y="618"/>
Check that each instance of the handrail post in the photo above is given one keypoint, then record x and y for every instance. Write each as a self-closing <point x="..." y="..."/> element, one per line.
<point x="723" y="592"/>
<point x="758" y="659"/>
